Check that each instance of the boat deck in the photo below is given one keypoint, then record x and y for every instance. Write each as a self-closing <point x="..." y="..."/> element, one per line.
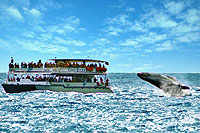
<point x="57" y="70"/>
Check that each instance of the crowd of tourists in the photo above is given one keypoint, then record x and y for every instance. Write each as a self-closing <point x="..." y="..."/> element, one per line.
<point x="39" y="64"/>
<point x="40" y="78"/>
<point x="26" y="65"/>
<point x="57" y="79"/>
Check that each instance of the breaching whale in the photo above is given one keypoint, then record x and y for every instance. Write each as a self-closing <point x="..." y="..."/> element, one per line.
<point x="166" y="83"/>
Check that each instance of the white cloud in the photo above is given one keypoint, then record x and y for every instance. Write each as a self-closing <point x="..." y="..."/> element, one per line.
<point x="70" y="24"/>
<point x="59" y="40"/>
<point x="46" y="37"/>
<point x="4" y="44"/>
<point x="117" y="25"/>
<point x="166" y="46"/>
<point x="148" y="38"/>
<point x="113" y="30"/>
<point x="109" y="50"/>
<point x="109" y="56"/>
<point x="56" y="29"/>
<point x="49" y="4"/>
<point x="142" y="40"/>
<point x="128" y="50"/>
<point x="103" y="52"/>
<point x="154" y="37"/>
<point x="29" y="34"/>
<point x="189" y="37"/>
<point x="154" y="19"/>
<point x="41" y="47"/>
<point x="14" y="12"/>
<point x="138" y="26"/>
<point x="148" y="67"/>
<point x="39" y="28"/>
<point x="33" y="16"/>
<point x="124" y="65"/>
<point x="72" y="20"/>
<point x="151" y="37"/>
<point x="54" y="49"/>
<point x="131" y="42"/>
<point x="75" y="43"/>
<point x="160" y="20"/>
<point x="148" y="50"/>
<point x="93" y="50"/>
<point x="192" y="16"/>
<point x="130" y="9"/>
<point x="119" y="20"/>
<point x="35" y="12"/>
<point x="76" y="52"/>
<point x="187" y="29"/>
<point x="174" y="8"/>
<point x="68" y="27"/>
<point x="184" y="28"/>
<point x="100" y="41"/>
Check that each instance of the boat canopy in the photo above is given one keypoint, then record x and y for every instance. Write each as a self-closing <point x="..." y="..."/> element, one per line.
<point x="79" y="60"/>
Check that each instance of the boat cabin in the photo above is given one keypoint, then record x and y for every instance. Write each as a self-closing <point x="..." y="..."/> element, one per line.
<point x="60" y="70"/>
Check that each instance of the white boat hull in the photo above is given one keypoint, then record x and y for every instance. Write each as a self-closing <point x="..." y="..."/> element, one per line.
<point x="27" y="85"/>
<point x="60" y="88"/>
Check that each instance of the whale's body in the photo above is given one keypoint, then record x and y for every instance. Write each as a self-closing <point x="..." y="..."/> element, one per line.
<point x="167" y="84"/>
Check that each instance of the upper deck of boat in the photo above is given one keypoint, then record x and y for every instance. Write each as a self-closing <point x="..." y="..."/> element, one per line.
<point x="61" y="66"/>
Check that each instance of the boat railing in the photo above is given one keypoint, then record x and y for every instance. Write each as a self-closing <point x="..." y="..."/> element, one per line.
<point x="57" y="70"/>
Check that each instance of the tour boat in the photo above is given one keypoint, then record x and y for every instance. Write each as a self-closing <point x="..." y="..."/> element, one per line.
<point x="60" y="75"/>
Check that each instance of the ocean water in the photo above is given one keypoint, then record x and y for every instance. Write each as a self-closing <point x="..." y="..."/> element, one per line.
<point x="135" y="106"/>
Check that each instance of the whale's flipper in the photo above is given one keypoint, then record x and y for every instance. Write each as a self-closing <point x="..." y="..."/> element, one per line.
<point x="185" y="87"/>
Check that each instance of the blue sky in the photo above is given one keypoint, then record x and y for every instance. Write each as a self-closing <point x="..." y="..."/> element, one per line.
<point x="133" y="35"/>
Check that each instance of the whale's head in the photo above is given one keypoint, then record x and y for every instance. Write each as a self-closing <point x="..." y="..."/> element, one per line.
<point x="153" y="78"/>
